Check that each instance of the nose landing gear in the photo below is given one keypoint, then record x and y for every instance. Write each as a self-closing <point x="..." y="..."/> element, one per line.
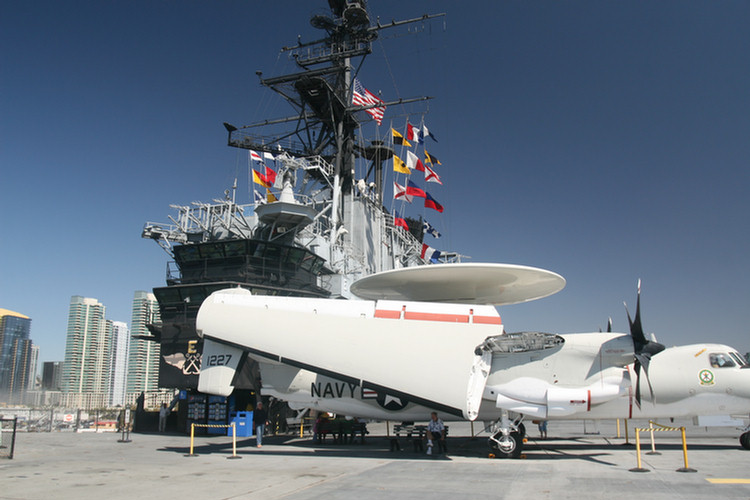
<point x="507" y="440"/>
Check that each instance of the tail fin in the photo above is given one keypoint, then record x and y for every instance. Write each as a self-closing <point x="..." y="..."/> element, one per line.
<point x="218" y="366"/>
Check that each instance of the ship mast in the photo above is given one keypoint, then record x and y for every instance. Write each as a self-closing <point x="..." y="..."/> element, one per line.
<point x="325" y="122"/>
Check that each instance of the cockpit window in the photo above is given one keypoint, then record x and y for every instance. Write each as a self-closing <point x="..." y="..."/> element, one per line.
<point x="720" y="360"/>
<point x="739" y="358"/>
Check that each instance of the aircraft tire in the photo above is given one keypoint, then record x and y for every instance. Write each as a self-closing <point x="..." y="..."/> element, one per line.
<point x="745" y="440"/>
<point x="511" y="448"/>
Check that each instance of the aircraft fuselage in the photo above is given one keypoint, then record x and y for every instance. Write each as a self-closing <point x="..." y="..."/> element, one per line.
<point x="400" y="360"/>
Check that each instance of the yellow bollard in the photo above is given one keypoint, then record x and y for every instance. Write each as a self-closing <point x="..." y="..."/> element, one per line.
<point x="638" y="451"/>
<point x="192" y="439"/>
<point x="301" y="427"/>
<point x="684" y="454"/>
<point x="618" y="429"/>
<point x="653" y="444"/>
<point x="234" y="442"/>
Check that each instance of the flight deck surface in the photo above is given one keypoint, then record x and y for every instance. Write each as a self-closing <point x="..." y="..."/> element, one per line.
<point x="572" y="463"/>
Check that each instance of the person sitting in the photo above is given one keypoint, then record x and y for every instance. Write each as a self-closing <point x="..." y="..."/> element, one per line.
<point x="435" y="433"/>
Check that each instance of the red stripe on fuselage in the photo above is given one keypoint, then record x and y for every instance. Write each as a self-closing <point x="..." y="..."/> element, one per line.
<point x="450" y="318"/>
<point x="385" y="313"/>
<point x="428" y="316"/>
<point x="488" y="320"/>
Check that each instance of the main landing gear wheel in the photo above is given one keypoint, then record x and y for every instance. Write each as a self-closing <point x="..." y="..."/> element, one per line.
<point x="745" y="440"/>
<point x="509" y="446"/>
<point x="522" y="430"/>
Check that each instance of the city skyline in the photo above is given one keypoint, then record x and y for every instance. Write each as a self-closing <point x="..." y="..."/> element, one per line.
<point x="144" y="310"/>
<point x="104" y="366"/>
<point x="602" y="141"/>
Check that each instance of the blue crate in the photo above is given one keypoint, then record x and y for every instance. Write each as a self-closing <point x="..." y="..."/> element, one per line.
<point x="243" y="422"/>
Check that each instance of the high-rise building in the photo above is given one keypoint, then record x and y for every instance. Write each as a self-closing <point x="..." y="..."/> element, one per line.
<point x="16" y="356"/>
<point x="143" y="364"/>
<point x="88" y="352"/>
<point x="52" y="375"/>
<point x="119" y="368"/>
<point x="33" y="366"/>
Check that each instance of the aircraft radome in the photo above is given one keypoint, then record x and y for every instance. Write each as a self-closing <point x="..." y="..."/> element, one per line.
<point x="431" y="340"/>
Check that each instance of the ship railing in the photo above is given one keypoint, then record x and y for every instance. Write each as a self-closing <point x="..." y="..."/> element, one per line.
<point x="346" y="259"/>
<point x="412" y="247"/>
<point x="196" y="223"/>
<point x="315" y="162"/>
<point x="410" y="244"/>
<point x="209" y="218"/>
<point x="321" y="54"/>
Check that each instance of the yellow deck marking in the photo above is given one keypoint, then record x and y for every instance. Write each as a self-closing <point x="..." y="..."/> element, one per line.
<point x="728" y="481"/>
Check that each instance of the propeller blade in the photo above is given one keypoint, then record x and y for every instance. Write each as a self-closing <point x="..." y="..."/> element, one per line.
<point x="630" y="321"/>
<point x="642" y="360"/>
<point x="636" y="328"/>
<point x="609" y="325"/>
<point x="637" y="370"/>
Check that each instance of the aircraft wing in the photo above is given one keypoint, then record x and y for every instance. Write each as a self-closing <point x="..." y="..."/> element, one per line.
<point x="467" y="283"/>
<point x="398" y="351"/>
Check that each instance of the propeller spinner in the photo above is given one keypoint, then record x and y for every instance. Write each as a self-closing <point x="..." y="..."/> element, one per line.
<point x="643" y="349"/>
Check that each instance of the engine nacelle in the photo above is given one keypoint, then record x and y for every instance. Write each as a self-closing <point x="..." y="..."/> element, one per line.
<point x="562" y="402"/>
<point x="538" y="398"/>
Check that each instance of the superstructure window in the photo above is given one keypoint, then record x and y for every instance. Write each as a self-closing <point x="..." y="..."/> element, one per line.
<point x="720" y="360"/>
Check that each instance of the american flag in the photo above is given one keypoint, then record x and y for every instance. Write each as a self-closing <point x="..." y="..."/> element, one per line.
<point x="363" y="97"/>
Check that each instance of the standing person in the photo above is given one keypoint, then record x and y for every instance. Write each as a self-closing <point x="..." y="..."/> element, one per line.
<point x="260" y="417"/>
<point x="543" y="429"/>
<point x="163" y="414"/>
<point x="140" y="410"/>
<point x="435" y="432"/>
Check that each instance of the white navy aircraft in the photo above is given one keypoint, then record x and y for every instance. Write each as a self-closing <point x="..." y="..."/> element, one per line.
<point x="429" y="338"/>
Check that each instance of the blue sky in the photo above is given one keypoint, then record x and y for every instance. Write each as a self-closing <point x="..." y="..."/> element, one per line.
<point x="606" y="141"/>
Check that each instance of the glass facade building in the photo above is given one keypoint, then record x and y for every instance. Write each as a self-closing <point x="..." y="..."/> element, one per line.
<point x="119" y="368"/>
<point x="17" y="360"/>
<point x="88" y="353"/>
<point x="143" y="361"/>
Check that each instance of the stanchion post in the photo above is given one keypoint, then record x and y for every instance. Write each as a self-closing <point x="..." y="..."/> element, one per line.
<point x="653" y="444"/>
<point x="13" y="438"/>
<point x="638" y="451"/>
<point x="192" y="438"/>
<point x="618" y="429"/>
<point x="684" y="454"/>
<point x="234" y="442"/>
